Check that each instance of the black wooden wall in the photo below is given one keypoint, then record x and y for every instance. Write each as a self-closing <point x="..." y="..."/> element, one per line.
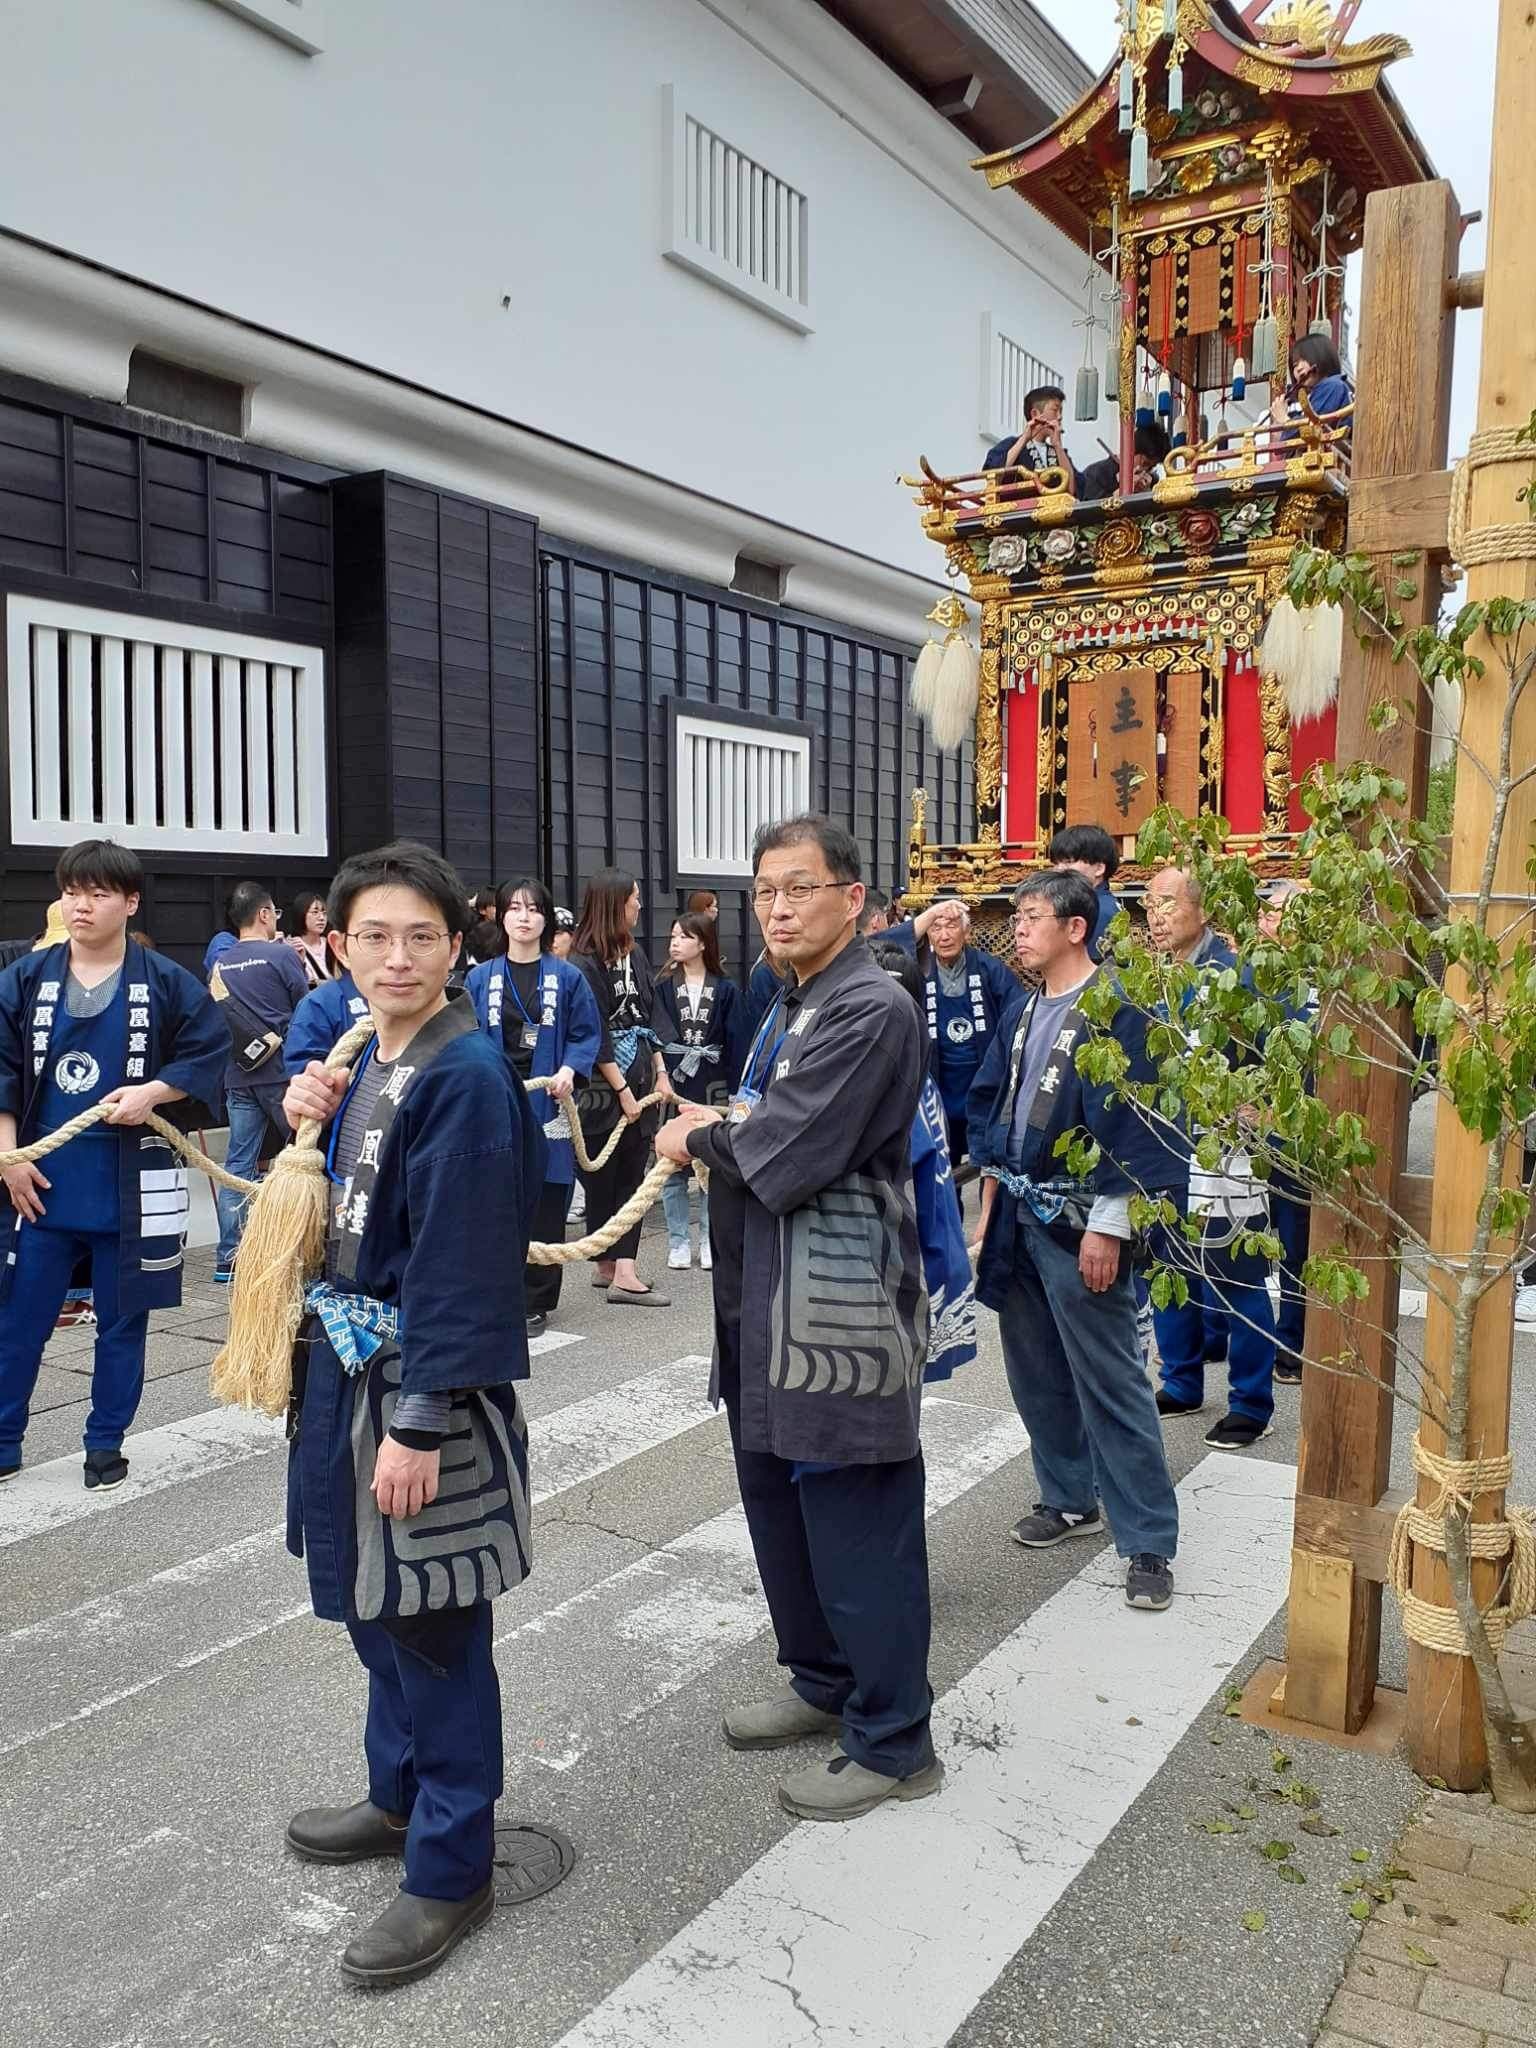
<point x="102" y="506"/>
<point x="436" y="675"/>
<point x="619" y="639"/>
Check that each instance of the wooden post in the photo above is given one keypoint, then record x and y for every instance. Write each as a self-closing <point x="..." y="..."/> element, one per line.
<point x="1445" y="1725"/>
<point x="1412" y="242"/>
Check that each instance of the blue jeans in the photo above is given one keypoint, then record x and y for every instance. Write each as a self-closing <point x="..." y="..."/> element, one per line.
<point x="1077" y="1379"/>
<point x="433" y="1742"/>
<point x="45" y="1262"/>
<point x="1293" y="1226"/>
<point x="675" y="1202"/>
<point x="247" y="1134"/>
<point x="1231" y="1284"/>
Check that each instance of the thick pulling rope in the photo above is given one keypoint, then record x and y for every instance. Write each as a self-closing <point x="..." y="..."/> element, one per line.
<point x="1460" y="1481"/>
<point x="1512" y="541"/>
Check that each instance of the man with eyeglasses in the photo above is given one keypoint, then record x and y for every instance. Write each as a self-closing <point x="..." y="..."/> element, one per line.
<point x="1056" y="1258"/>
<point x="408" y="1467"/>
<point x="821" y="1333"/>
<point x="967" y="992"/>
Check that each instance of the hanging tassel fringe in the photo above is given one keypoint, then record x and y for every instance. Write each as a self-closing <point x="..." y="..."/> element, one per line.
<point x="1322" y="327"/>
<point x="1304" y="651"/>
<point x="925" y="678"/>
<point x="1112" y="371"/>
<point x="1266" y="347"/>
<point x="1170" y="17"/>
<point x="959" y="688"/>
<point x="1139" y="162"/>
<point x="1176" y="89"/>
<point x="1165" y="396"/>
<point x="1239" y="380"/>
<point x="1127" y="96"/>
<point x="1087" y="407"/>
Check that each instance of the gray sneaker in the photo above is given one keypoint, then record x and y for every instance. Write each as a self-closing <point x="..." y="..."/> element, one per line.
<point x="776" y="1723"/>
<point x="840" y="1789"/>
<point x="1038" y="1531"/>
<point x="1148" y="1582"/>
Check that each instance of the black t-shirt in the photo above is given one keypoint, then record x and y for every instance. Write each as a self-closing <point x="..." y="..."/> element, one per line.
<point x="519" y="1016"/>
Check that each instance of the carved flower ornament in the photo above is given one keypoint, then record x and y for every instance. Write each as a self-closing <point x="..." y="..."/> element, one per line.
<point x="1059" y="546"/>
<point x="1200" y="531"/>
<point x="1119" y="541"/>
<point x="1007" y="552"/>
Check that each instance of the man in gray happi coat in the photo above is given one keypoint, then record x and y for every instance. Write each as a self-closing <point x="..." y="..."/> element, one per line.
<point x="821" y="1330"/>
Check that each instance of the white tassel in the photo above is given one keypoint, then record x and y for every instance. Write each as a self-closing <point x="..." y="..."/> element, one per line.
<point x="1264" y="358"/>
<point x="1304" y="652"/>
<point x="959" y="688"/>
<point x="1087" y="407"/>
<point x="925" y="678"/>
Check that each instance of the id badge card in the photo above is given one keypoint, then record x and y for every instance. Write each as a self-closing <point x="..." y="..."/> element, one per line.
<point x="530" y="1037"/>
<point x="743" y="1102"/>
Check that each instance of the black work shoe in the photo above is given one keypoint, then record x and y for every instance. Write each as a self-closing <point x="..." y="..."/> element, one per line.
<point x="412" y="1936"/>
<point x="537" y="1325"/>
<point x="1236" y="1433"/>
<point x="9" y="1471"/>
<point x="1170" y="1404"/>
<point x="105" y="1469"/>
<point x="1287" y="1370"/>
<point x="1148" y="1582"/>
<point x="1038" y="1531"/>
<point x="347" y="1834"/>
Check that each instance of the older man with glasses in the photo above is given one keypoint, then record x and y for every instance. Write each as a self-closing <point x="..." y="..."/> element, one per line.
<point x="967" y="992"/>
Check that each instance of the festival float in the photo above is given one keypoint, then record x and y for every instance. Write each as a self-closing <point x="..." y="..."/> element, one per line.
<point x="1140" y="649"/>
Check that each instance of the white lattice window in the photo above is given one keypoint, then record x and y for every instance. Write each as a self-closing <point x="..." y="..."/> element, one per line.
<point x="299" y="23"/>
<point x="732" y="773"/>
<point x="175" y="738"/>
<point x="1009" y="371"/>
<point x="735" y="221"/>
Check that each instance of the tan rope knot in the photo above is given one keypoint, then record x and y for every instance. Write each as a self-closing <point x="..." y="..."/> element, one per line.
<point x="1459" y="1482"/>
<point x="1511" y="541"/>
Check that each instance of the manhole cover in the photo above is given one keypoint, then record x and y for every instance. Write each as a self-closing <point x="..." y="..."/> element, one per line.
<point x="530" y="1860"/>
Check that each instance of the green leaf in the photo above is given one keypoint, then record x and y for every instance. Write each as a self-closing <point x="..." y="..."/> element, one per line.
<point x="1361" y="1909"/>
<point x="1421" y="1956"/>
<point x="1254" y="1923"/>
<point x="1277" y="1851"/>
<point x="1278" y="1760"/>
<point x="1289" y="1874"/>
<point x="1395" y="1874"/>
<point x="1521" y="1913"/>
<point x="1214" y="1827"/>
<point x="1359" y="1855"/>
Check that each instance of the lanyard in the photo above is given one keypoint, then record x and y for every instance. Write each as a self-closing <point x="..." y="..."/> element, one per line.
<point x="508" y="982"/>
<point x="754" y="1079"/>
<point x="330" y="1148"/>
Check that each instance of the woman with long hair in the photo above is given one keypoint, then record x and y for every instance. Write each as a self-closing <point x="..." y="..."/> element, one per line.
<point x="305" y="927"/>
<point x="541" y="1013"/>
<point x="629" y="1066"/>
<point x="704" y="1050"/>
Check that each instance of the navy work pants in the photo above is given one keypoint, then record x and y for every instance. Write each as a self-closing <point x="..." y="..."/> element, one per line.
<point x="433" y="1742"/>
<point x="1231" y="1284"/>
<point x="1078" y="1380"/>
<point x="45" y="1263"/>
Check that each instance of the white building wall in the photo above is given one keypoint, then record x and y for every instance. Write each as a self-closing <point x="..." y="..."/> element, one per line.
<point x="380" y="198"/>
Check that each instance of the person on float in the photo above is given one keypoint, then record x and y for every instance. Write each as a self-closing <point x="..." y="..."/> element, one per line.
<point x="541" y="1012"/>
<point x="704" y="1051"/>
<point x="432" y="1146"/>
<point x="1102" y="479"/>
<point x="1091" y="852"/>
<point x="306" y="932"/>
<point x="1316" y="369"/>
<point x="1055" y="1257"/>
<point x="629" y="1067"/>
<point x="97" y="1019"/>
<point x="1039" y="444"/>
<point x="968" y="992"/>
<point x="810" y="1170"/>
<point x="1227" y="1285"/>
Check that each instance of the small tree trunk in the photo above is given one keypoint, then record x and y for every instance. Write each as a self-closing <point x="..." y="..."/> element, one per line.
<point x="1511" y="1736"/>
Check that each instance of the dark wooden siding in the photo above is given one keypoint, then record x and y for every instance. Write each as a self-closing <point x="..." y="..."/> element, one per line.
<point x="437" y="656"/>
<point x="101" y="506"/>
<point x="621" y="639"/>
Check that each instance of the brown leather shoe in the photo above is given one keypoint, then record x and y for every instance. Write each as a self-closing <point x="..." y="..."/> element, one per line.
<point x="412" y="1936"/>
<point x="347" y="1834"/>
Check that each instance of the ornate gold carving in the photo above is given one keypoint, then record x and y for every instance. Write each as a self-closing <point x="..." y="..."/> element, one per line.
<point x="1302" y="23"/>
<point x="1275" y="725"/>
<point x="1124" y="577"/>
<point x="1175" y="490"/>
<point x="1362" y="78"/>
<point x="1263" y="75"/>
<point x="1085" y="120"/>
<point x="1054" y="508"/>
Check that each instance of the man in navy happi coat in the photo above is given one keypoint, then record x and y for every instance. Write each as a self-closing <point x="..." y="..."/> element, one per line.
<point x="408" y="1472"/>
<point x="99" y="1018"/>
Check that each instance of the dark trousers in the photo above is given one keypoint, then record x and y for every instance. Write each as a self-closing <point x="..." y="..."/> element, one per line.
<point x="611" y="1186"/>
<point x="1293" y="1227"/>
<point x="45" y="1264"/>
<point x="1231" y="1283"/>
<point x="843" y="1557"/>
<point x="1075" y="1371"/>
<point x="541" y="1284"/>
<point x="433" y="1742"/>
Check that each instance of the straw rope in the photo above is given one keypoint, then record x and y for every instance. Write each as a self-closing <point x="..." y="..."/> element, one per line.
<point x="305" y="1151"/>
<point x="1459" y="1482"/>
<point x="1511" y="541"/>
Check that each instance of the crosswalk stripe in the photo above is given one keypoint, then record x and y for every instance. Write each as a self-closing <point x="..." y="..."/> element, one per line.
<point x="890" y="1929"/>
<point x="668" y="1617"/>
<point x="167" y="1613"/>
<point x="50" y="1496"/>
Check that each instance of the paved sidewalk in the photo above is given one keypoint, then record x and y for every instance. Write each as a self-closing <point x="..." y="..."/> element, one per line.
<point x="1448" y="1958"/>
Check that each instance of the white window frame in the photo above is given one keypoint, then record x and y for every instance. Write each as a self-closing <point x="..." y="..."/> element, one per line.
<point x="680" y="247"/>
<point x="213" y="660"/>
<point x="994" y="346"/>
<point x="299" y="23"/>
<point x="744" y="793"/>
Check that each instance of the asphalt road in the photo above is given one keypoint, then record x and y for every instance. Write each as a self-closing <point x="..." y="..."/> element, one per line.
<point x="166" y="1702"/>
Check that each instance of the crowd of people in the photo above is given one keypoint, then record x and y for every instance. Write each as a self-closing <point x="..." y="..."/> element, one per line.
<point x="830" y="1103"/>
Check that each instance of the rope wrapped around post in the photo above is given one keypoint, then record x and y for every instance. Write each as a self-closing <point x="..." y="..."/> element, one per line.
<point x="1460" y="1482"/>
<point x="1512" y="541"/>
